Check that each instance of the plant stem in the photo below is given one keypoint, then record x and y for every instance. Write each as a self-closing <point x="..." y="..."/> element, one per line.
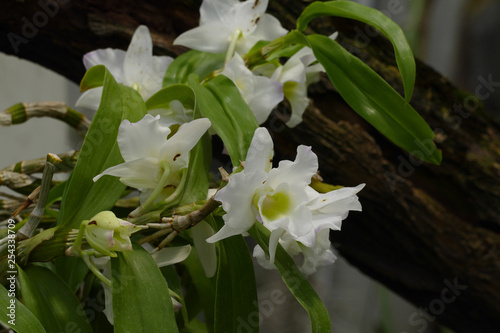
<point x="36" y="216"/>
<point x="232" y="45"/>
<point x="143" y="208"/>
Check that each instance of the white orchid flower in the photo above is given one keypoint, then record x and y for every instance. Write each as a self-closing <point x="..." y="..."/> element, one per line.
<point x="223" y="22"/>
<point x="281" y="198"/>
<point x="154" y="164"/>
<point x="276" y="197"/>
<point x="262" y="94"/>
<point x="296" y="75"/>
<point x="328" y="210"/>
<point x="136" y="68"/>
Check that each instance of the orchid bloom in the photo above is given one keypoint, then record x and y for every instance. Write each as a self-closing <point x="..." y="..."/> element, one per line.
<point x="260" y="93"/>
<point x="328" y="210"/>
<point x="153" y="163"/>
<point x="280" y="198"/>
<point x="136" y="68"/>
<point x="296" y="75"/>
<point x="223" y="22"/>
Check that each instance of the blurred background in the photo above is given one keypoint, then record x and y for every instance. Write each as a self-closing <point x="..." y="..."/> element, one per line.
<point x="458" y="38"/>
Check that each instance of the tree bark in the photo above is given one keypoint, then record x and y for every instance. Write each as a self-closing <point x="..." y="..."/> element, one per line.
<point x="430" y="233"/>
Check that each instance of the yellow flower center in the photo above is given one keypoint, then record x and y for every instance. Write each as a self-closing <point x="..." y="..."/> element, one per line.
<point x="275" y="206"/>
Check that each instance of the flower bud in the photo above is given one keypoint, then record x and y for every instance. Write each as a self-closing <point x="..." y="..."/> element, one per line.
<point x="106" y="233"/>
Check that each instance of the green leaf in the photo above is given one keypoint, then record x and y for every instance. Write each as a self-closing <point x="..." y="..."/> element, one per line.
<point x="295" y="281"/>
<point x="200" y="158"/>
<point x="220" y="101"/>
<point x="83" y="198"/>
<point x="174" y="284"/>
<point x="93" y="78"/>
<point x="51" y="301"/>
<point x="204" y="293"/>
<point x="236" y="109"/>
<point x="141" y="299"/>
<point x="72" y="270"/>
<point x="375" y="100"/>
<point x="355" y="11"/>
<point x="22" y="320"/>
<point x="179" y="92"/>
<point x="236" y="305"/>
<point x="192" y="62"/>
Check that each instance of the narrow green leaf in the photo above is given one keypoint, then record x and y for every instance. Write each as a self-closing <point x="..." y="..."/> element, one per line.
<point x="220" y="101"/>
<point x="375" y="100"/>
<point x="236" y="109"/>
<point x="192" y="62"/>
<point x="51" y="301"/>
<point x="197" y="184"/>
<point x="204" y="293"/>
<point x="141" y="299"/>
<point x="236" y="305"/>
<point x="353" y="10"/>
<point x="83" y="198"/>
<point x="179" y="92"/>
<point x="16" y="315"/>
<point x="295" y="281"/>
<point x="72" y="270"/>
<point x="174" y="284"/>
<point x="208" y="105"/>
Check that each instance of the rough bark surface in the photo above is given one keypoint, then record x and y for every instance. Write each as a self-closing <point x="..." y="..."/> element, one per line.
<point x="431" y="233"/>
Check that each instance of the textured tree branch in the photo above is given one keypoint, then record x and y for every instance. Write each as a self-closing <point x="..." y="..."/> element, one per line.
<point x="422" y="225"/>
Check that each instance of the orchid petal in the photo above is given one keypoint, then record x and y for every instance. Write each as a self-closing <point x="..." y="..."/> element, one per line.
<point x="141" y="173"/>
<point x="261" y="93"/>
<point x="331" y="197"/>
<point x="160" y="65"/>
<point x="139" y="58"/>
<point x="184" y="140"/>
<point x="171" y="255"/>
<point x="296" y="94"/>
<point x="299" y="171"/>
<point x="225" y="232"/>
<point x="206" y="251"/>
<point x="112" y="59"/>
<point x="300" y="225"/>
<point x="260" y="153"/>
<point x="266" y="95"/>
<point x="144" y="138"/>
<point x="211" y="37"/>
<point x="262" y="258"/>
<point x="238" y="193"/>
<point x="90" y="99"/>
<point x="327" y="221"/>
<point x="268" y="28"/>
<point x="215" y="10"/>
<point x="273" y="243"/>
<point x="246" y="15"/>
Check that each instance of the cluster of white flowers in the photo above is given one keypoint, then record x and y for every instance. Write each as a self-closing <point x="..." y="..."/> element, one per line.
<point x="281" y="198"/>
<point x="245" y="23"/>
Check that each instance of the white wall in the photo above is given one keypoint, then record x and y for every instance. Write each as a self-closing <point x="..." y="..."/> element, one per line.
<point x="23" y="81"/>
